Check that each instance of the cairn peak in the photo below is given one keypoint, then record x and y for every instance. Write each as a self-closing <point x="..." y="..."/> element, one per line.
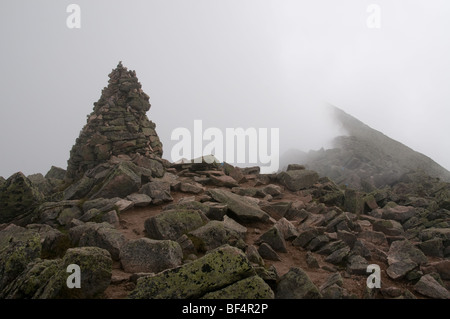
<point x="118" y="125"/>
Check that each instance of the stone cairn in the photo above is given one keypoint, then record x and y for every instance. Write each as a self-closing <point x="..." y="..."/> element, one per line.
<point x="118" y="125"/>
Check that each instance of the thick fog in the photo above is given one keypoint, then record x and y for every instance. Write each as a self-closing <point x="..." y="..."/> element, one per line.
<point x="235" y="63"/>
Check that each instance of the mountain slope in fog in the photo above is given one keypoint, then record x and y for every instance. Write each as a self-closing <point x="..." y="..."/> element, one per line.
<point x="365" y="158"/>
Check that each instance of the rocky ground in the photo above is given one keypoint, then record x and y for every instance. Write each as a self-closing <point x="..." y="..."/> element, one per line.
<point x="217" y="231"/>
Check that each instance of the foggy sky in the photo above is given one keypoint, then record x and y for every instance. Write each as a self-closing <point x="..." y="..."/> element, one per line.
<point x="233" y="63"/>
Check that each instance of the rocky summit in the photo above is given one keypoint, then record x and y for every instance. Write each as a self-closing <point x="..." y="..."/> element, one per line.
<point x="140" y="227"/>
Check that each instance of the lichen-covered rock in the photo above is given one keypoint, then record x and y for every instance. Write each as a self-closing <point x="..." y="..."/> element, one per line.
<point x="95" y="274"/>
<point x="18" y="247"/>
<point x="242" y="209"/>
<point x="172" y="224"/>
<point x="216" y="270"/>
<point x="54" y="243"/>
<point x="31" y="283"/>
<point x="148" y="255"/>
<point x="18" y="199"/>
<point x="217" y="233"/>
<point x="296" y="284"/>
<point x="249" y="288"/>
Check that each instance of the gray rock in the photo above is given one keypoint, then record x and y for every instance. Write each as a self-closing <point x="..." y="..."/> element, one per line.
<point x="69" y="213"/>
<point x="287" y="229"/>
<point x="398" y="213"/>
<point x="158" y="191"/>
<point x="102" y="204"/>
<point x="357" y="265"/>
<point x="191" y="187"/>
<point x="274" y="238"/>
<point x="376" y="238"/>
<point x="216" y="270"/>
<point x="347" y="237"/>
<point x="332" y="247"/>
<point x="172" y="224"/>
<point x="98" y="235"/>
<point x="388" y="227"/>
<point x="338" y="256"/>
<point x="429" y="287"/>
<point x="215" y="234"/>
<point x="148" y="255"/>
<point x="298" y="179"/>
<point x="139" y="200"/>
<point x="56" y="173"/>
<point x="305" y="237"/>
<point x="433" y="247"/>
<point x="241" y="208"/>
<point x="267" y="252"/>
<point x="273" y="190"/>
<point x="223" y="181"/>
<point x="79" y="189"/>
<point x="311" y="261"/>
<point x="317" y="243"/>
<point x="296" y="284"/>
<point x="277" y="210"/>
<point x="403" y="257"/>
<point x="253" y="256"/>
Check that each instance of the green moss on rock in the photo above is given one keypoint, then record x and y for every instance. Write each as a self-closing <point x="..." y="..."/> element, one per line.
<point x="216" y="270"/>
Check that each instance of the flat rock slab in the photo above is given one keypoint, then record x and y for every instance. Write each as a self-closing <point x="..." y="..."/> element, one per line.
<point x="243" y="209"/>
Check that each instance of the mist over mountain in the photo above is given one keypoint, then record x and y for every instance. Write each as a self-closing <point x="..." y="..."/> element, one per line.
<point x="364" y="158"/>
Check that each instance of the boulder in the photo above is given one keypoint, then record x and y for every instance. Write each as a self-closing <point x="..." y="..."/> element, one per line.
<point x="101" y="235"/>
<point x="277" y="210"/>
<point x="148" y="255"/>
<point x="338" y="256"/>
<point x="18" y="247"/>
<point x="120" y="182"/>
<point x="18" y="200"/>
<point x="139" y="200"/>
<point x="388" y="227"/>
<point x="433" y="247"/>
<point x="311" y="261"/>
<point x="240" y="207"/>
<point x="215" y="234"/>
<point x="158" y="191"/>
<point x="305" y="236"/>
<point x="96" y="268"/>
<point x="223" y="181"/>
<point x="171" y="224"/>
<point x="253" y="255"/>
<point x="216" y="270"/>
<point x="54" y="243"/>
<point x="441" y="267"/>
<point x="274" y="238"/>
<point x="287" y="229"/>
<point x="296" y="180"/>
<point x="32" y="280"/>
<point x="56" y="173"/>
<point x="429" y="287"/>
<point x="249" y="288"/>
<point x="267" y="252"/>
<point x="296" y="284"/>
<point x="398" y="213"/>
<point x="191" y="187"/>
<point x="403" y="257"/>
<point x="357" y="265"/>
